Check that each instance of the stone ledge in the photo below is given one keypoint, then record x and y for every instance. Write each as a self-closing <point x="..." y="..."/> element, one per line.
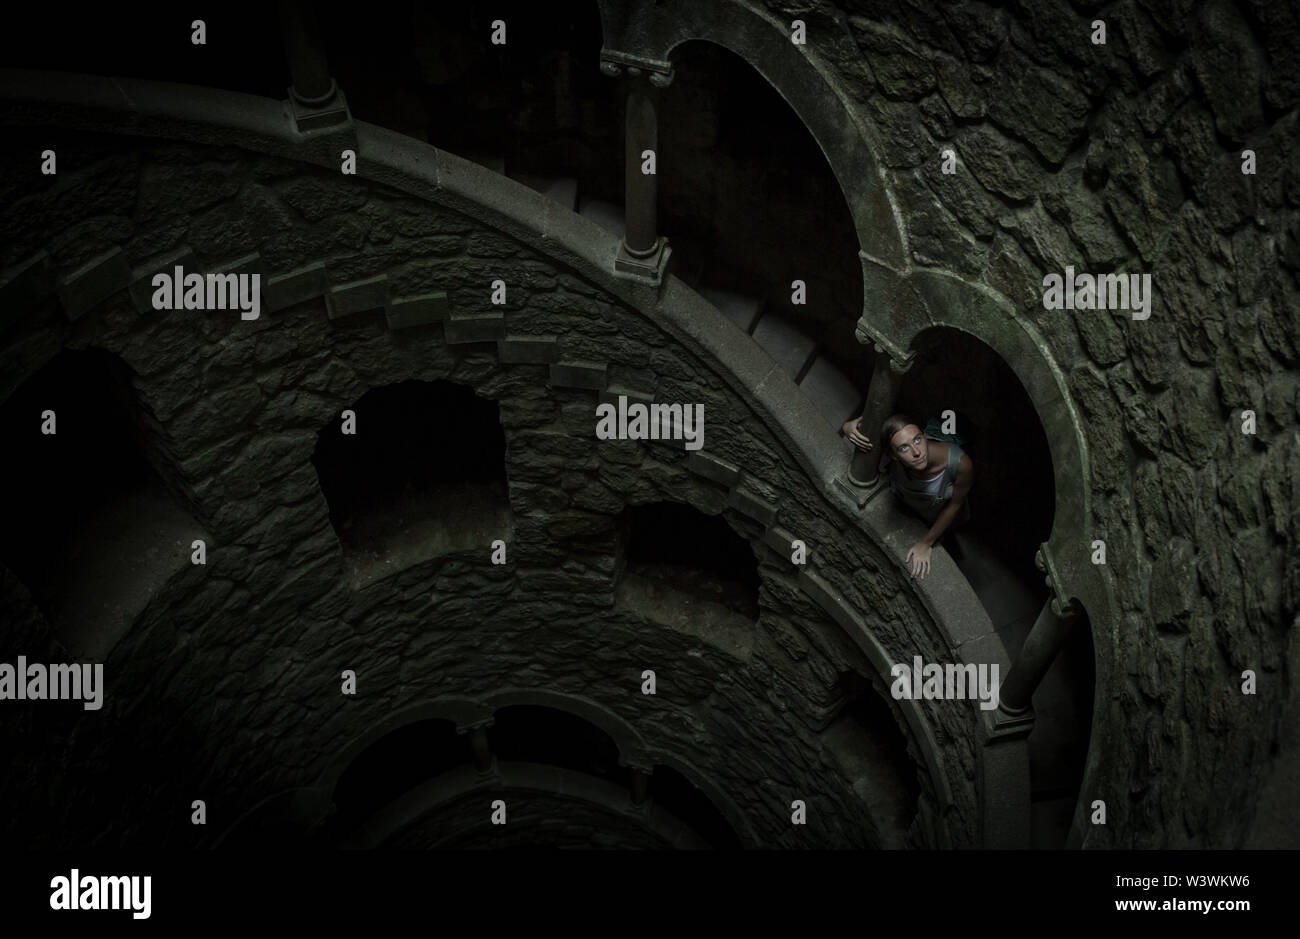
<point x="778" y="539"/>
<point x="294" y="287"/>
<point x="578" y="374"/>
<point x="611" y="395"/>
<point x="357" y="296"/>
<point x="423" y="310"/>
<point x="528" y="350"/>
<point x="475" y="327"/>
<point x="710" y="467"/>
<point x="95" y="281"/>
<point x="747" y="503"/>
<point x="142" y="288"/>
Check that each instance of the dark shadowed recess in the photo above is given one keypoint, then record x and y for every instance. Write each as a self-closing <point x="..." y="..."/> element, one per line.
<point x="701" y="554"/>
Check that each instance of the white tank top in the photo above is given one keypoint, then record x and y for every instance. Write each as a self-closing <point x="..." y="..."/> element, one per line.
<point x="931" y="486"/>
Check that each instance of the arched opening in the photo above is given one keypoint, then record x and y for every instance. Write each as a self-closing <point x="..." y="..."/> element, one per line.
<point x="420" y="474"/>
<point x="90" y="528"/>
<point x="1013" y="510"/>
<point x="537" y="734"/>
<point x="751" y="205"/>
<point x="530" y="733"/>
<point x="679" y="795"/>
<point x="678" y="546"/>
<point x="392" y="765"/>
<point x="872" y="752"/>
<point x="1013" y="502"/>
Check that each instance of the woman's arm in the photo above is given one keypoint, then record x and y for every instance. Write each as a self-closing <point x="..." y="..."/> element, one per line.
<point x="919" y="553"/>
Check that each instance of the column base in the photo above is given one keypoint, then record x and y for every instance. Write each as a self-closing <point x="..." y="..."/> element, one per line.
<point x="1011" y="723"/>
<point x="652" y="268"/>
<point x="309" y="116"/>
<point x="860" y="493"/>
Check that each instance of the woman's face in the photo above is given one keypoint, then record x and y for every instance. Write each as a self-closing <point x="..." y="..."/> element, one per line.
<point x="911" y="448"/>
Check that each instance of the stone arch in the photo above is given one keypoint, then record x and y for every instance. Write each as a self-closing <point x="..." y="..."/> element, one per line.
<point x="404" y="813"/>
<point x="571" y="242"/>
<point x="646" y="36"/>
<point x="942" y="299"/>
<point x="631" y="745"/>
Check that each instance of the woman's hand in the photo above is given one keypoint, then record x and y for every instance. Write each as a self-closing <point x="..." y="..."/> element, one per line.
<point x="919" y="555"/>
<point x="860" y="440"/>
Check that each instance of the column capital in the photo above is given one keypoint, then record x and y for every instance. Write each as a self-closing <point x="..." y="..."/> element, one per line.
<point x="1061" y="606"/>
<point x="900" y="358"/>
<point x="638" y="763"/>
<point x="614" y="63"/>
<point x="471" y="726"/>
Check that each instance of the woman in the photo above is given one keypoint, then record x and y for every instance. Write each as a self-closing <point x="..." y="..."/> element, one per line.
<point x="932" y="476"/>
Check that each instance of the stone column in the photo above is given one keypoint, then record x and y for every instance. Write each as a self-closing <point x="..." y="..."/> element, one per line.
<point x="886" y="377"/>
<point x="476" y="731"/>
<point x="314" y="98"/>
<point x="1036" y="656"/>
<point x="478" y="742"/>
<point x="1044" y="642"/>
<point x="643" y="253"/>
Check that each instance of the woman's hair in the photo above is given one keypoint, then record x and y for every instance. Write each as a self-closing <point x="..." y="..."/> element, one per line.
<point x="893" y="424"/>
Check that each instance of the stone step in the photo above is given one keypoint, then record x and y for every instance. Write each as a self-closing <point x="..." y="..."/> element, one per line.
<point x="605" y="214"/>
<point x="785" y="343"/>
<point x="688" y="261"/>
<point x="561" y="189"/>
<point x="833" y="393"/>
<point x="741" y="310"/>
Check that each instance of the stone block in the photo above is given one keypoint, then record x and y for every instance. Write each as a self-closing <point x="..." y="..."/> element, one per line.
<point x="710" y="467"/>
<point x="294" y="287"/>
<point x="521" y="350"/>
<point x="778" y="539"/>
<point x="748" y="503"/>
<point x="787" y="346"/>
<point x="357" y="296"/>
<point x="741" y="310"/>
<point x="475" y="327"/>
<point x="611" y="395"/>
<point x="96" y="280"/>
<point x="831" y="391"/>
<point x="828" y="598"/>
<point x="247" y="264"/>
<point x="576" y="374"/>
<point x="423" y="310"/>
<point x="142" y="275"/>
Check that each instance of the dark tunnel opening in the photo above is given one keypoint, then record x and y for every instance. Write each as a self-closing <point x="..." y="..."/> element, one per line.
<point x="422" y="475"/>
<point x="873" y="750"/>
<point x="684" y="799"/>
<point x="393" y="765"/>
<point x="91" y="527"/>
<point x="679" y="545"/>
<point x="749" y="201"/>
<point x="536" y="734"/>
